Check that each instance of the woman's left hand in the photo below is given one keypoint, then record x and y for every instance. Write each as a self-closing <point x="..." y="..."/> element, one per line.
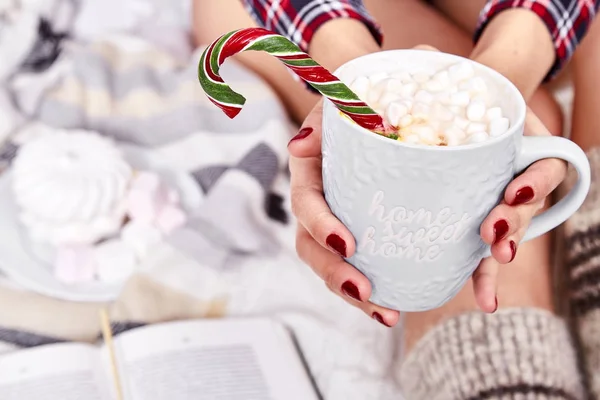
<point x="506" y="225"/>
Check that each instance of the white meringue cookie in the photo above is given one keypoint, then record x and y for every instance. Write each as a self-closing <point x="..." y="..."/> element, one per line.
<point x="70" y="186"/>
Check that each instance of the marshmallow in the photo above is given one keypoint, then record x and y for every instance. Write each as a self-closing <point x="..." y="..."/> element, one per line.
<point x="171" y="218"/>
<point x="424" y="96"/>
<point x="420" y="111"/>
<point x="474" y="85"/>
<point x="476" y="110"/>
<point x="74" y="264"/>
<point x="425" y="133"/>
<point x="475" y="127"/>
<point x="378" y="77"/>
<point x="443" y="77"/>
<point x="433" y="86"/>
<point x="393" y="85"/>
<point x="461" y="71"/>
<point x="499" y="126"/>
<point x="387" y="99"/>
<point x="405" y="121"/>
<point x="408" y="89"/>
<point x="461" y="123"/>
<point x="376" y="92"/>
<point x="478" y="137"/>
<point x="402" y="76"/>
<point x="361" y="86"/>
<point x="146" y="197"/>
<point x="395" y="111"/>
<point x="441" y="113"/>
<point x="454" y="136"/>
<point x="460" y="99"/>
<point x="115" y="261"/>
<point x="140" y="237"/>
<point x="421" y="77"/>
<point x="493" y="113"/>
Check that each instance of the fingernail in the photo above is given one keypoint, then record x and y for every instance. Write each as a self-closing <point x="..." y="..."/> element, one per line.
<point x="377" y="317"/>
<point x="496" y="308"/>
<point x="523" y="195"/>
<point x="350" y="290"/>
<point x="304" y="132"/>
<point x="337" y="244"/>
<point x="513" y="249"/>
<point x="500" y="230"/>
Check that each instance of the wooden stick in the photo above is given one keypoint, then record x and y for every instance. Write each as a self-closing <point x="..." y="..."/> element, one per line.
<point x="108" y="340"/>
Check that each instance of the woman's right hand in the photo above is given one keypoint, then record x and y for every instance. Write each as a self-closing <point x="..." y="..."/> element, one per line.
<point x="322" y="241"/>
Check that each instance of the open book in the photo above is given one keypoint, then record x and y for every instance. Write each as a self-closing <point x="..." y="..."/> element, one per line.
<point x="235" y="359"/>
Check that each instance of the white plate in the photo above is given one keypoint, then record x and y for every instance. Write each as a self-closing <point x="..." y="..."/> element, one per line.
<point x="30" y="265"/>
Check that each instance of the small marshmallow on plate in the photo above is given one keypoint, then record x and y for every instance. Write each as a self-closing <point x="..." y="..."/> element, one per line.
<point x="74" y="264"/>
<point x="140" y="237"/>
<point x="146" y="197"/>
<point x="115" y="261"/>
<point x="170" y="219"/>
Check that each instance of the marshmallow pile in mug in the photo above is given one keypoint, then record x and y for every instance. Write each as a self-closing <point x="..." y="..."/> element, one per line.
<point x="447" y="107"/>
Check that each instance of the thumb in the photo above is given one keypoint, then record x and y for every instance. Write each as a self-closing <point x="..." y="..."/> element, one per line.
<point x="307" y="143"/>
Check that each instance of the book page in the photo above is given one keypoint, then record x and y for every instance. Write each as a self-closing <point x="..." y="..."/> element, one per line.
<point x="54" y="372"/>
<point x="212" y="359"/>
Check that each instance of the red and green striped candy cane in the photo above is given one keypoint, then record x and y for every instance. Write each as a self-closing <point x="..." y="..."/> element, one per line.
<point x="318" y="77"/>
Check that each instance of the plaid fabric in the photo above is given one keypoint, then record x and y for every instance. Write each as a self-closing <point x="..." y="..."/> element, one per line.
<point x="567" y="20"/>
<point x="298" y="20"/>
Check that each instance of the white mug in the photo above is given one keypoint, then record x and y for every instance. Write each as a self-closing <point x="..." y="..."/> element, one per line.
<point x="415" y="211"/>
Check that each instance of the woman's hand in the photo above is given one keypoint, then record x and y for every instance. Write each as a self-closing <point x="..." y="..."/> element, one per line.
<point x="322" y="241"/>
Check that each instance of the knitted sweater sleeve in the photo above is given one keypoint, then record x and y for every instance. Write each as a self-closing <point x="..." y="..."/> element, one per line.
<point x="512" y="354"/>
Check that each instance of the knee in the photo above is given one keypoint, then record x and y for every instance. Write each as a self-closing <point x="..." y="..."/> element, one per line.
<point x="545" y="106"/>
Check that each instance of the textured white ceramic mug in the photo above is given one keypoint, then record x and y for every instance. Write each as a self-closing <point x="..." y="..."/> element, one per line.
<point x="415" y="211"/>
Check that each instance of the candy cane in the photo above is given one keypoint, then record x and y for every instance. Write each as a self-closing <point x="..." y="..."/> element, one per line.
<point x="305" y="67"/>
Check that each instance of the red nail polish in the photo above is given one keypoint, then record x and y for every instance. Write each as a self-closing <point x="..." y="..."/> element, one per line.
<point x="500" y="230"/>
<point x="350" y="290"/>
<point x="377" y="317"/>
<point x="513" y="249"/>
<point x="523" y="195"/>
<point x="304" y="132"/>
<point x="337" y="244"/>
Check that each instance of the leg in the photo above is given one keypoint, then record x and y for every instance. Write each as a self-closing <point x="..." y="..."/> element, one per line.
<point x="586" y="64"/>
<point x="582" y="239"/>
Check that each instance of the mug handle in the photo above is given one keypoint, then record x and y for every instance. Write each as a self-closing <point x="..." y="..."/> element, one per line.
<point x="536" y="148"/>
